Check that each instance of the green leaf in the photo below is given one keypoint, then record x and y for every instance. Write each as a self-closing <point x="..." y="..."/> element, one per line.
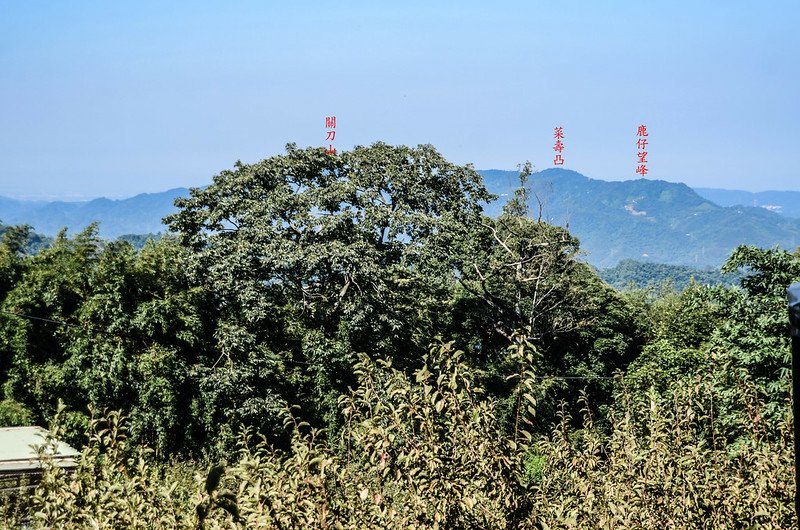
<point x="213" y="478"/>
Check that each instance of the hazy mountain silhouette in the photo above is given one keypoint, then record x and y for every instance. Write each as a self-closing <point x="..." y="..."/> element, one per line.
<point x="645" y="220"/>
<point x="786" y="203"/>
<point x="141" y="214"/>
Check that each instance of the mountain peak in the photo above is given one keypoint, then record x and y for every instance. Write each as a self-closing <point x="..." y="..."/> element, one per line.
<point x="651" y="219"/>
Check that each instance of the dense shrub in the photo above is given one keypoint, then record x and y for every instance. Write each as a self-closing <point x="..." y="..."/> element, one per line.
<point x="427" y="452"/>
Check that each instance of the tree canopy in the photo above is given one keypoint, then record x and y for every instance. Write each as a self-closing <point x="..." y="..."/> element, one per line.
<point x="350" y="329"/>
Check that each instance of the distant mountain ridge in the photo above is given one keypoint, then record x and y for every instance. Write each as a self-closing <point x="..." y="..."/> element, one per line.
<point x="786" y="203"/>
<point x="140" y="214"/>
<point x="644" y="220"/>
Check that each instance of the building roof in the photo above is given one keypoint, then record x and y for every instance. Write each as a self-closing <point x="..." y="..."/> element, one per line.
<point x="18" y="456"/>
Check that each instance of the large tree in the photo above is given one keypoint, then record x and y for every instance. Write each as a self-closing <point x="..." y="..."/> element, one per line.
<point x="316" y="257"/>
<point x="524" y="276"/>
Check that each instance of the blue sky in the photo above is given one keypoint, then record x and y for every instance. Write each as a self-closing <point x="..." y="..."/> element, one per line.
<point x="112" y="98"/>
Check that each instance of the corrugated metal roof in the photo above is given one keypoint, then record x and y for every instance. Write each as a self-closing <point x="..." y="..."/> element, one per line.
<point x="17" y="454"/>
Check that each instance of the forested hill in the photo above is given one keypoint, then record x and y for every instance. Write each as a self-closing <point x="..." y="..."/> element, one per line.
<point x="140" y="214"/>
<point x="650" y="220"/>
<point x="640" y="274"/>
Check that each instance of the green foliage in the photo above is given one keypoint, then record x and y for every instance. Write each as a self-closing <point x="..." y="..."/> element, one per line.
<point x="13" y="413"/>
<point x="313" y="258"/>
<point x="658" y="469"/>
<point x="524" y="275"/>
<point x="115" y="486"/>
<point x="534" y="468"/>
<point x="23" y="239"/>
<point x="753" y="341"/>
<point x="138" y="241"/>
<point x="427" y="452"/>
<point x="134" y="327"/>
<point x="320" y="281"/>
<point x="216" y="498"/>
<point x="681" y="325"/>
<point x="644" y="275"/>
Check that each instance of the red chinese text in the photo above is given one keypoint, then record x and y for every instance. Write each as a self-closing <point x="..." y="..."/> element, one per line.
<point x="641" y="155"/>
<point x="330" y="123"/>
<point x="559" y="146"/>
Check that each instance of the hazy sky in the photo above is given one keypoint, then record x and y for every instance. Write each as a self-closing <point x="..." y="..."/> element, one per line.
<point x="117" y="98"/>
